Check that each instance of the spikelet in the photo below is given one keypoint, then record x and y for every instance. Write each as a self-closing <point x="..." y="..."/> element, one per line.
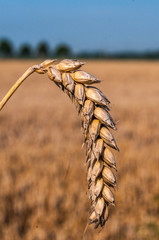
<point x="68" y="82"/>
<point x="96" y="188"/>
<point x="54" y="75"/>
<point x="87" y="111"/>
<point x="96" y="170"/>
<point x="93" y="107"/>
<point x="47" y="63"/>
<point x="108" y="195"/>
<point x="99" y="207"/>
<point x="109" y="158"/>
<point x="105" y="118"/>
<point x="94" y="129"/>
<point x="68" y="65"/>
<point x="84" y="77"/>
<point x="108" y="138"/>
<point x="96" y="96"/>
<point x="98" y="148"/>
<point x="79" y="93"/>
<point x="108" y="176"/>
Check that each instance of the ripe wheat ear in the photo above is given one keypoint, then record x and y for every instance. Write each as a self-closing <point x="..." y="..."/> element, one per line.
<point x="93" y="108"/>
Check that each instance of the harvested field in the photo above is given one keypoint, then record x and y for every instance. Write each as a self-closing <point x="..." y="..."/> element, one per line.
<point x="43" y="188"/>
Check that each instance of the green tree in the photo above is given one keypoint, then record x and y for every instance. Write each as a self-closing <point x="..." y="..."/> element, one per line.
<point x="43" y="49"/>
<point x="62" y="50"/>
<point x="6" y="48"/>
<point x="25" y="51"/>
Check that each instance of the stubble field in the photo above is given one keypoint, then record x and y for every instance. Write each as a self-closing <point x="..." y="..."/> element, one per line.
<point x="43" y="188"/>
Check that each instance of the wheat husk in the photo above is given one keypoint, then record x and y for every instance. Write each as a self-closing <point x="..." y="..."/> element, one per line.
<point x="84" y="77"/>
<point x="68" y="65"/>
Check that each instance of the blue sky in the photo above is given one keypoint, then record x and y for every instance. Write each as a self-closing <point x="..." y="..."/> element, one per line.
<point x="106" y="25"/>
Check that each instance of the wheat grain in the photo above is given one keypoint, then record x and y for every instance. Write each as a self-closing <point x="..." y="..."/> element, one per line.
<point x="68" y="65"/>
<point x="84" y="77"/>
<point x="93" y="107"/>
<point x="54" y="75"/>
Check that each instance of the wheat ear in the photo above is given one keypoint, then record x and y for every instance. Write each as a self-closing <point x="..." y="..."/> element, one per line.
<point x="93" y="108"/>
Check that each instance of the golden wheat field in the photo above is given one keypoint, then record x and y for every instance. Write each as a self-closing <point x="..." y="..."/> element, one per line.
<point x="43" y="187"/>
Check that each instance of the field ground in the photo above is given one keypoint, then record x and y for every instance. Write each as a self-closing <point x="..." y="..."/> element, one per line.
<point x="43" y="188"/>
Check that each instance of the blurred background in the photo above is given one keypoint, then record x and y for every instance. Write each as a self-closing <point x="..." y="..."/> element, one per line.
<point x="43" y="188"/>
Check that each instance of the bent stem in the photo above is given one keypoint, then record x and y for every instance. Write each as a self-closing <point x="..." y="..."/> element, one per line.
<point x="39" y="68"/>
<point x="28" y="72"/>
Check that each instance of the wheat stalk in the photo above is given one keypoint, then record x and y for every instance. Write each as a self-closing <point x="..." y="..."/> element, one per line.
<point x="93" y="108"/>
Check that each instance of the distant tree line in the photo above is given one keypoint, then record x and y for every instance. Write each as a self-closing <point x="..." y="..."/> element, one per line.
<point x="42" y="50"/>
<point x="27" y="51"/>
